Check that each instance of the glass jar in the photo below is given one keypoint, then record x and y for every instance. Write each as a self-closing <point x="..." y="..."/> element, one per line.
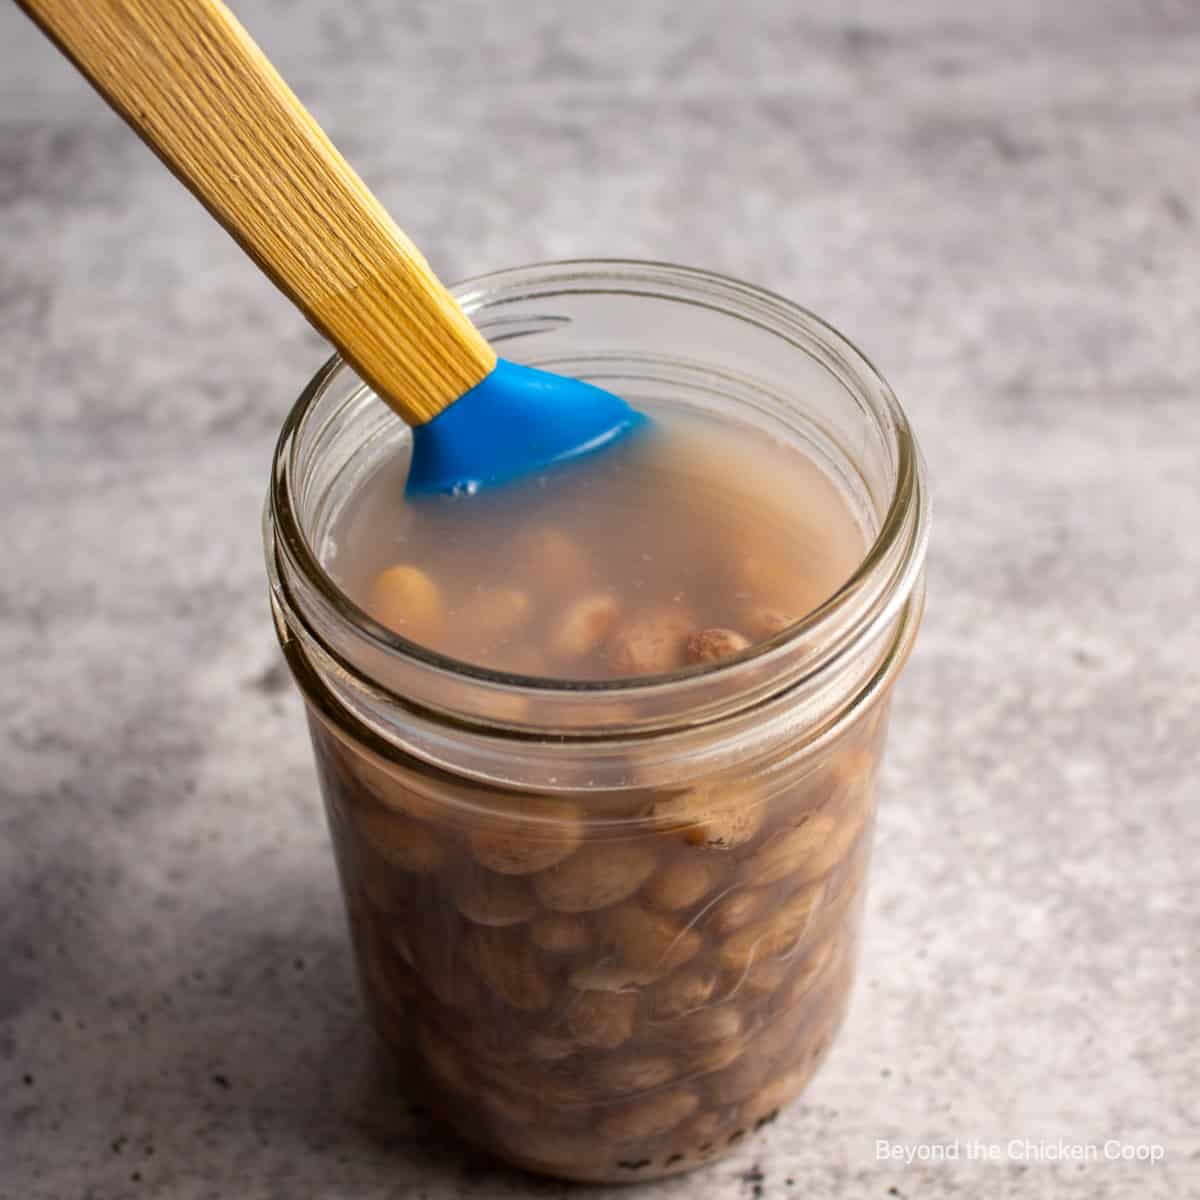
<point x="610" y="928"/>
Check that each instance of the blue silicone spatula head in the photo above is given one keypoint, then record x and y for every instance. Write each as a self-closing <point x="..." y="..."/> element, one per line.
<point x="307" y="219"/>
<point x="515" y="422"/>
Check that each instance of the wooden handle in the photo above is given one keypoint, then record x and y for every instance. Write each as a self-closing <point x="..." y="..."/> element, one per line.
<point x="193" y="84"/>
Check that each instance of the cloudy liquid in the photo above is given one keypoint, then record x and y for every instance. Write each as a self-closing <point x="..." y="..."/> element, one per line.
<point x="613" y="566"/>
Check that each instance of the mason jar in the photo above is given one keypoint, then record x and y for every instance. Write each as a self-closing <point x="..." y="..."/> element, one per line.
<point x="610" y="928"/>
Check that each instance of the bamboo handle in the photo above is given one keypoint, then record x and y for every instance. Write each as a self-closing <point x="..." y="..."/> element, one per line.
<point x="194" y="85"/>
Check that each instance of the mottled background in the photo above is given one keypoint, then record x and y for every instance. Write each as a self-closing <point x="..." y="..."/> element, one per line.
<point x="999" y="201"/>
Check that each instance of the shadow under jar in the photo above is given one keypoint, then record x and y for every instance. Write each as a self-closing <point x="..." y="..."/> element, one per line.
<point x="611" y="927"/>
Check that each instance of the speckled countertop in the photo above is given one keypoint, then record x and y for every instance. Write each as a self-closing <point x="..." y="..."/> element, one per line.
<point x="999" y="202"/>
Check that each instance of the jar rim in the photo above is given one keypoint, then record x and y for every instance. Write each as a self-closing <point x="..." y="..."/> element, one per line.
<point x="755" y="305"/>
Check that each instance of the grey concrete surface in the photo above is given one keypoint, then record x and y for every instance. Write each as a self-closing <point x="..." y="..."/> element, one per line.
<point x="1000" y="202"/>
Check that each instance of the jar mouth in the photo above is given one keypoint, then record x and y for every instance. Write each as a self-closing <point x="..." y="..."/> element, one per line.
<point x="893" y="559"/>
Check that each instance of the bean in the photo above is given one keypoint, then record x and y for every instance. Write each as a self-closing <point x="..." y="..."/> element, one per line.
<point x="680" y="884"/>
<point x="778" y="584"/>
<point x="399" y="841"/>
<point x="582" y="627"/>
<point x="683" y="992"/>
<point x="444" y="1062"/>
<point x="701" y="1130"/>
<point x="602" y="1019"/>
<point x="388" y="785"/>
<point x="610" y="976"/>
<point x="544" y="833"/>
<point x="508" y="964"/>
<point x="763" y="622"/>
<point x="770" y="1098"/>
<point x="650" y="1117"/>
<point x="560" y="933"/>
<point x="638" y="1074"/>
<point x="762" y="976"/>
<point x="595" y="877"/>
<point x="722" y="1023"/>
<point x="437" y="958"/>
<point x="718" y="817"/>
<point x="773" y="934"/>
<point x="740" y="1079"/>
<point x="651" y="641"/>
<point x="494" y="612"/>
<point x="733" y="910"/>
<point x="540" y="1148"/>
<point x="652" y="941"/>
<point x="545" y="1047"/>
<point x="817" y="963"/>
<point x="490" y="899"/>
<point x="513" y="1110"/>
<point x="807" y="851"/>
<point x="706" y="1057"/>
<point x="712" y="645"/>
<point x="406" y="599"/>
<point x="552" y="557"/>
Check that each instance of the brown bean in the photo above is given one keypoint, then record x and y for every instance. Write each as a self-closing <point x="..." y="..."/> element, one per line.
<point x="399" y="841"/>
<point x="854" y="766"/>
<point x="762" y="976"/>
<point x="387" y="784"/>
<point x="544" y="1149"/>
<point x="438" y="960"/>
<point x="638" y="1074"/>
<point x="602" y="1019"/>
<point x="735" y="909"/>
<point x="739" y="1079"/>
<point x="772" y="1096"/>
<point x="650" y="1117"/>
<point x="492" y="612"/>
<point x="405" y="599"/>
<point x="490" y="899"/>
<point x="489" y="1045"/>
<point x="445" y="1063"/>
<point x="582" y="627"/>
<point x="389" y="981"/>
<point x="854" y="776"/>
<point x="610" y="976"/>
<point x="778" y="584"/>
<point x="774" y="934"/>
<point x="807" y="851"/>
<point x="722" y="1023"/>
<point x="712" y="645"/>
<point x="513" y="1110"/>
<point x="683" y="992"/>
<point x="707" y="1057"/>
<point x="780" y="1040"/>
<point x="700" y="1132"/>
<point x="595" y="877"/>
<point x="551" y="557"/>
<point x="379" y="884"/>
<point x="651" y="641"/>
<point x="545" y="1047"/>
<point x="507" y="963"/>
<point x="681" y="884"/>
<point x="763" y="622"/>
<point x="560" y="933"/>
<point x="816" y="964"/>
<point x="649" y="940"/>
<point x="716" y="816"/>
<point x="542" y="834"/>
<point x="549" y="1090"/>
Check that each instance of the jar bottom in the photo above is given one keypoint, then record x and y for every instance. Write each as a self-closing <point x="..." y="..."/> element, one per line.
<point x="704" y="1138"/>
